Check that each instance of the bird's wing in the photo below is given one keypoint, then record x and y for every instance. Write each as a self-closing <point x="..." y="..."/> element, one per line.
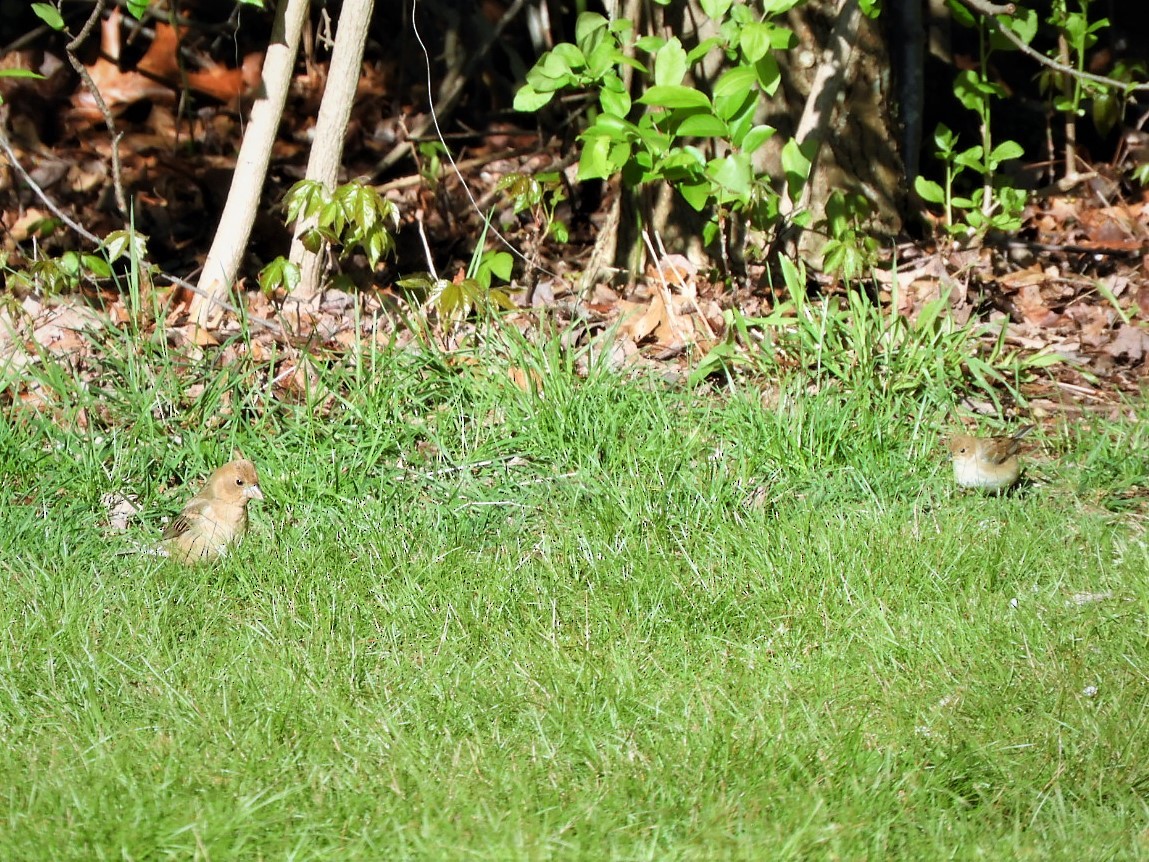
<point x="193" y="513"/>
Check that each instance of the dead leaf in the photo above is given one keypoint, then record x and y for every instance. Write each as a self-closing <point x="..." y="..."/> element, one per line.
<point x="1130" y="343"/>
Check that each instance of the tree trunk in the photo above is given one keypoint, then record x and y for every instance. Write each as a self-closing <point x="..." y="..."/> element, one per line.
<point x="330" y="131"/>
<point x="246" y="193"/>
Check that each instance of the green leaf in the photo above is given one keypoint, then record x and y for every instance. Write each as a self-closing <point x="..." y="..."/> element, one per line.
<point x="755" y="40"/>
<point x="702" y="126"/>
<point x="501" y="263"/>
<point x="137" y="8"/>
<point x="603" y="59"/>
<point x="973" y="158"/>
<point x="734" y="173"/>
<point x="697" y="195"/>
<point x="674" y="97"/>
<point x="944" y="138"/>
<point x="961" y="14"/>
<point x="650" y="44"/>
<point x="48" y="13"/>
<point x="756" y="137"/>
<point x="736" y="82"/>
<point x="1022" y="23"/>
<point x="587" y="24"/>
<point x="613" y="96"/>
<point x="796" y="165"/>
<point x="305" y="198"/>
<point x="280" y="273"/>
<point x="777" y="7"/>
<point x="561" y="62"/>
<point x="670" y="64"/>
<point x="716" y="8"/>
<point x="125" y="243"/>
<point x="600" y="158"/>
<point x="96" y="265"/>
<point x="735" y="92"/>
<point x="1005" y="151"/>
<point x="1106" y="111"/>
<point x="702" y="49"/>
<point x="528" y="99"/>
<point x="769" y="76"/>
<point x="19" y="73"/>
<point x="929" y="191"/>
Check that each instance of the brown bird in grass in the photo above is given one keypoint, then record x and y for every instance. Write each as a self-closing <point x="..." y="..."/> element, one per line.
<point x="987" y="463"/>
<point x="215" y="518"/>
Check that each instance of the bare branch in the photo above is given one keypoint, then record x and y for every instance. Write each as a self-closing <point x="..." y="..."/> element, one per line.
<point x="990" y="10"/>
<point x="81" y="70"/>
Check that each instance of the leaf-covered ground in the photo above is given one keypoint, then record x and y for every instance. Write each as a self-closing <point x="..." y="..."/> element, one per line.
<point x="1073" y="284"/>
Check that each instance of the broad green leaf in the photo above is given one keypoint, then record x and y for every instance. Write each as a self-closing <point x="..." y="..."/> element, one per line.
<point x="96" y="265"/>
<point x="961" y="14"/>
<point x="1005" y="151"/>
<point x="944" y="138"/>
<point x="1023" y="24"/>
<point x="769" y="76"/>
<point x="743" y="120"/>
<point x="613" y="96"/>
<point x="755" y="40"/>
<point x="501" y="263"/>
<point x="734" y="173"/>
<point x="588" y="23"/>
<point x="599" y="158"/>
<point x="603" y="59"/>
<point x="972" y="158"/>
<point x="777" y="7"/>
<point x="796" y="165"/>
<point x="48" y="13"/>
<point x="702" y="126"/>
<point x="782" y="38"/>
<point x="929" y="191"/>
<point x="674" y="97"/>
<point x="702" y="49"/>
<point x="528" y="99"/>
<point x="279" y="274"/>
<point x="697" y="195"/>
<point x="735" y="82"/>
<point x="756" y="137"/>
<point x="716" y="8"/>
<point x="670" y="64"/>
<point x="612" y="126"/>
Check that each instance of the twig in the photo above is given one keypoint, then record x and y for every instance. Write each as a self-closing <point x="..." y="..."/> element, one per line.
<point x="466" y="164"/>
<point x="41" y="194"/>
<point x="426" y="245"/>
<point x="990" y="10"/>
<point x="240" y="313"/>
<point x="81" y="70"/>
<point x="455" y="167"/>
<point x="78" y="228"/>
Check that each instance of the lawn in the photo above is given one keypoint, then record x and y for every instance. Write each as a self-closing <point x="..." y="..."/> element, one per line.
<point x="612" y="620"/>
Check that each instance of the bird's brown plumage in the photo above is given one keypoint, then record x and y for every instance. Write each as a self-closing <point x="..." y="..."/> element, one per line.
<point x="215" y="518"/>
<point x="988" y="463"/>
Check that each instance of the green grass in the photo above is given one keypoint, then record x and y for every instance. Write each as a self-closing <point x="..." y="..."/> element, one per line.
<point x="615" y="622"/>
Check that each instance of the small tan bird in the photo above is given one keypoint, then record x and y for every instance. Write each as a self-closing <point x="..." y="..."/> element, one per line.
<point x="216" y="517"/>
<point x="987" y="463"/>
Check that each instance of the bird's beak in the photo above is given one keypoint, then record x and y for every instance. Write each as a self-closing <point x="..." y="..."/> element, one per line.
<point x="252" y="492"/>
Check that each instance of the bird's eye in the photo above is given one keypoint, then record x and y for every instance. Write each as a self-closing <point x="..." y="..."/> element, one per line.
<point x="239" y="482"/>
